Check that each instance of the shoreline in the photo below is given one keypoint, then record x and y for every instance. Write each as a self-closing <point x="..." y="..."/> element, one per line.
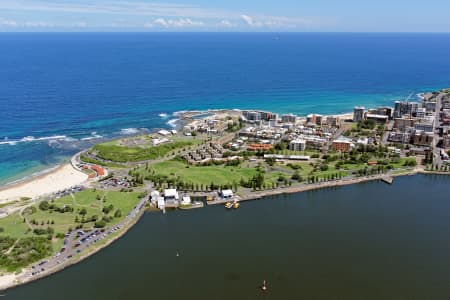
<point x="52" y="180"/>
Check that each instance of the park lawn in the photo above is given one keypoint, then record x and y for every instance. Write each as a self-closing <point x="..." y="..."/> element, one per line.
<point x="86" y="159"/>
<point x="86" y="199"/>
<point x="111" y="151"/>
<point x="14" y="226"/>
<point x="217" y="174"/>
<point x="123" y="201"/>
<point x="401" y="163"/>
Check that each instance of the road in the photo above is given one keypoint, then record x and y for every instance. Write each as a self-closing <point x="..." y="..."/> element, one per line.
<point x="78" y="242"/>
<point x="437" y="150"/>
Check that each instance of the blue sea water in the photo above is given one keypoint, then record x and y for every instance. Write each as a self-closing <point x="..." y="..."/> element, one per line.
<point x="59" y="92"/>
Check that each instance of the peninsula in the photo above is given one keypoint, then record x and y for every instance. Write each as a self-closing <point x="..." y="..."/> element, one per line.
<point x="213" y="157"/>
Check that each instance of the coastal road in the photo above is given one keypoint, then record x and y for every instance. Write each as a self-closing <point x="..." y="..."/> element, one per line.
<point x="78" y="242"/>
<point x="437" y="122"/>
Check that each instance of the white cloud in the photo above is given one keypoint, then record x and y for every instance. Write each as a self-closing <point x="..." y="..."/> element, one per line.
<point x="226" y="24"/>
<point x="277" y="22"/>
<point x="105" y="13"/>
<point x="248" y="20"/>
<point x="177" y="23"/>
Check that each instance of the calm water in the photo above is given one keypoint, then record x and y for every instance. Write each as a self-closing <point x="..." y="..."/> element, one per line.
<point x="367" y="241"/>
<point x="61" y="89"/>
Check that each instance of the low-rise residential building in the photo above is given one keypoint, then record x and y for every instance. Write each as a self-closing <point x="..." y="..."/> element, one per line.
<point x="399" y="137"/>
<point x="422" y="138"/>
<point x="259" y="147"/>
<point x="342" y="145"/>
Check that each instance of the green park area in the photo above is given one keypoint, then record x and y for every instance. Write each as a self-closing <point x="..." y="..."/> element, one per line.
<point x="117" y="151"/>
<point x="38" y="230"/>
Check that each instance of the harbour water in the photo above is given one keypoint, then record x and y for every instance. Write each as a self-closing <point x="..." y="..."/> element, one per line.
<point x="61" y="90"/>
<point x="365" y="241"/>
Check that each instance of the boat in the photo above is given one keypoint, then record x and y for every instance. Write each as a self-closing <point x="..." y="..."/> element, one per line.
<point x="264" y="286"/>
<point x="229" y="205"/>
<point x="236" y="204"/>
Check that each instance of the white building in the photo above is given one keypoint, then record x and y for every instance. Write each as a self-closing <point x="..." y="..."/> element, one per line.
<point x="171" y="197"/>
<point x="156" y="142"/>
<point x="154" y="195"/>
<point x="186" y="200"/>
<point x="161" y="203"/>
<point x="227" y="194"/>
<point x="297" y="145"/>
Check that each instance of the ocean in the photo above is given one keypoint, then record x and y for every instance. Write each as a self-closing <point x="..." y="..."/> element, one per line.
<point x="61" y="92"/>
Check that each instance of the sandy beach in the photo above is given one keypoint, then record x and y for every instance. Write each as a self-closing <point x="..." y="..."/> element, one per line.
<point x="59" y="179"/>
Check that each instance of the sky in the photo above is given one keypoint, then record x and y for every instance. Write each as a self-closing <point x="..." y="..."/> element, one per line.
<point x="226" y="15"/>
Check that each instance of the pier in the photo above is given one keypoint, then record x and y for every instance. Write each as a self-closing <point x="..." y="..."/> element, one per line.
<point x="388" y="179"/>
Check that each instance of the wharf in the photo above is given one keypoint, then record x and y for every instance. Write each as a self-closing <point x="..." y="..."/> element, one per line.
<point x="388" y="180"/>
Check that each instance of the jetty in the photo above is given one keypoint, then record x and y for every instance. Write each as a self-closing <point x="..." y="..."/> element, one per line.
<point x="388" y="179"/>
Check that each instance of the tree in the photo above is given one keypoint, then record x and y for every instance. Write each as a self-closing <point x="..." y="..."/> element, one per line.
<point x="296" y="176"/>
<point x="270" y="161"/>
<point x="83" y="211"/>
<point x="118" y="213"/>
<point x="100" y="224"/>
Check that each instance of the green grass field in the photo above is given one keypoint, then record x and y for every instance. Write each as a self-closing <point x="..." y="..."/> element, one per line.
<point x="13" y="226"/>
<point x="113" y="151"/>
<point x="203" y="174"/>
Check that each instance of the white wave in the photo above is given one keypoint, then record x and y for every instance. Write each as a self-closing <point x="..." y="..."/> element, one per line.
<point x="173" y="122"/>
<point x="34" y="139"/>
<point x="127" y="131"/>
<point x="163" y="115"/>
<point x="178" y="113"/>
<point x="93" y="136"/>
<point x="8" y="143"/>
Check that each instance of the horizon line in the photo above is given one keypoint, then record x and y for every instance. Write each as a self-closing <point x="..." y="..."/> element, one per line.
<point x="235" y="32"/>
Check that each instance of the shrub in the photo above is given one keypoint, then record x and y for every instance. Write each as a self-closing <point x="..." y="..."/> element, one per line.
<point x="44" y="205"/>
<point x="100" y="224"/>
